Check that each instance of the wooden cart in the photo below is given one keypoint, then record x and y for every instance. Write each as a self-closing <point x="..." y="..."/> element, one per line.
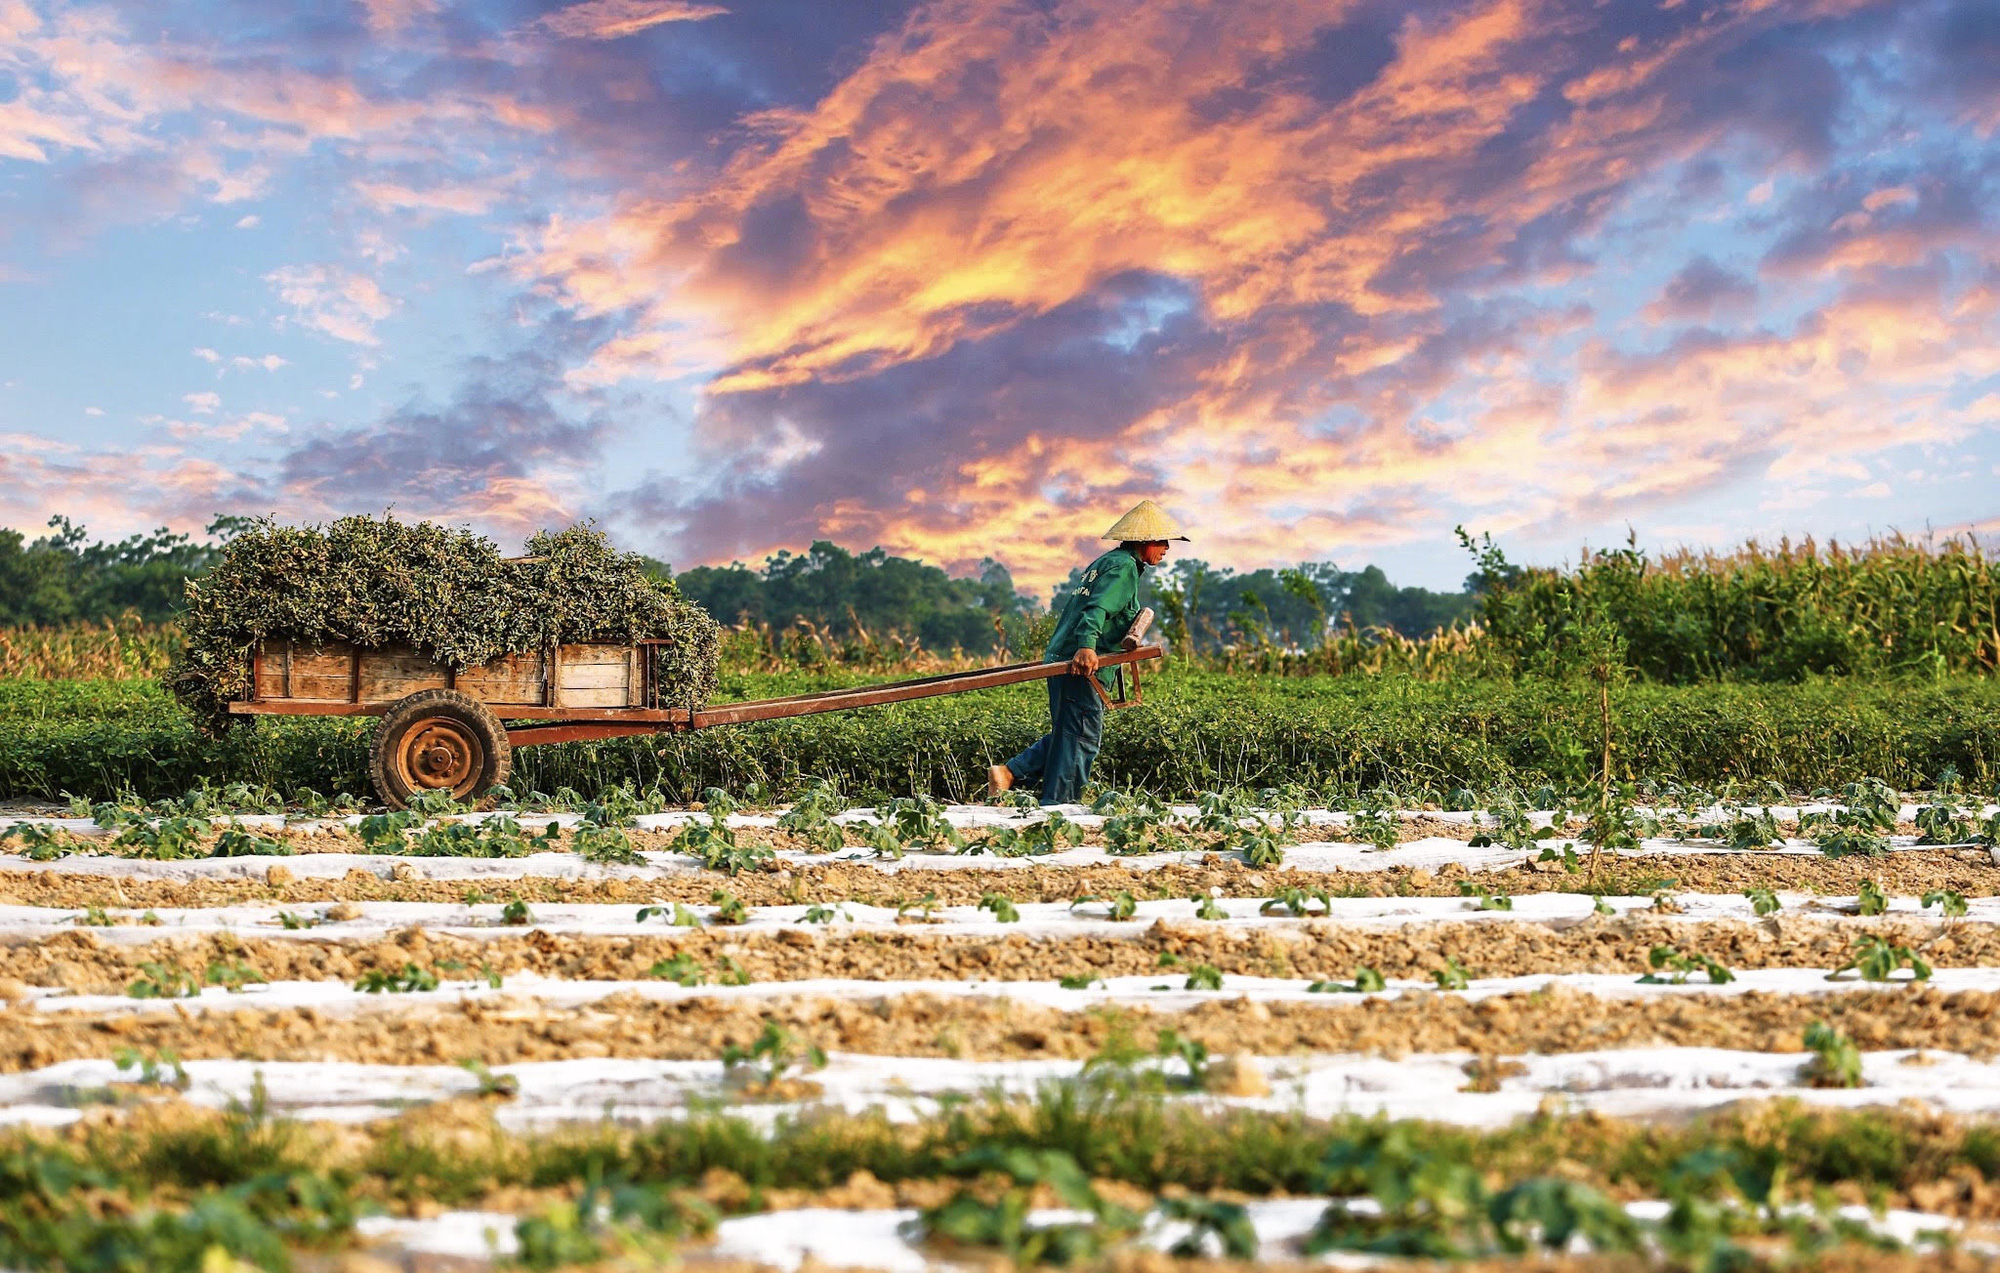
<point x="442" y="729"/>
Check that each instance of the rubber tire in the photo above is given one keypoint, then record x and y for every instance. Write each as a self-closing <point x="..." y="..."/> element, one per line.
<point x="410" y="713"/>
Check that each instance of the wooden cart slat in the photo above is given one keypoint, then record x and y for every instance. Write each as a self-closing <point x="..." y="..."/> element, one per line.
<point x="578" y="715"/>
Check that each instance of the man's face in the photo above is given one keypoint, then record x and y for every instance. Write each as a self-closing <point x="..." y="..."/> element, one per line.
<point x="1154" y="553"/>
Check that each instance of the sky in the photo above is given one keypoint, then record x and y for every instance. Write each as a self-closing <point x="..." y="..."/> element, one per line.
<point x="968" y="278"/>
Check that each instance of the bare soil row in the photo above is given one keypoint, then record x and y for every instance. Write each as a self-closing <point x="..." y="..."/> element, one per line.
<point x="78" y="961"/>
<point x="509" y="1029"/>
<point x="1907" y="873"/>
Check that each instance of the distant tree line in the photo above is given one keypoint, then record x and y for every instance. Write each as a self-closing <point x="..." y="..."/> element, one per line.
<point x="1211" y="608"/>
<point x="65" y="577"/>
<point x="62" y="577"/>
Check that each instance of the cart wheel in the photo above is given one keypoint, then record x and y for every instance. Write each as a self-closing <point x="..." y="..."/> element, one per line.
<point x="438" y="740"/>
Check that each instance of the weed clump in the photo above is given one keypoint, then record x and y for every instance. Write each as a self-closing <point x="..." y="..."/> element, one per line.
<point x="448" y="594"/>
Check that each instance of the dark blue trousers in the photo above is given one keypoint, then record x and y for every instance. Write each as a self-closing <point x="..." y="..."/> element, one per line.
<point x="1060" y="759"/>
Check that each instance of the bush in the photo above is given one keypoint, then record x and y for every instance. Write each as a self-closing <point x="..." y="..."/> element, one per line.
<point x="1196" y="732"/>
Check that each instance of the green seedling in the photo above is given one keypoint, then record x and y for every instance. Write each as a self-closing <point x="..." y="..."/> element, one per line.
<point x="1203" y="977"/>
<point x="1872" y="901"/>
<point x="924" y="907"/>
<point x="1298" y="902"/>
<point x="1945" y="822"/>
<point x="1874" y="959"/>
<point x="164" y="839"/>
<point x="1122" y="907"/>
<point x="1453" y="976"/>
<point x="1216" y="1228"/>
<point x="40" y="843"/>
<point x="232" y="977"/>
<point x="163" y="980"/>
<point x="294" y="923"/>
<point x="733" y="973"/>
<point x="1002" y="907"/>
<point x="1762" y="901"/>
<point x="163" y="1070"/>
<point x="501" y="1086"/>
<point x="1951" y="903"/>
<point x="606" y="846"/>
<point x="1512" y="825"/>
<point x="1172" y="1045"/>
<point x="673" y="912"/>
<point x="1673" y="968"/>
<point x="1366" y="981"/>
<point x="1565" y="855"/>
<point x="1077" y="981"/>
<point x="1599" y="906"/>
<point x="817" y="914"/>
<point x="1167" y="959"/>
<point x="972" y="1218"/>
<point x="1836" y="1062"/>
<point x="682" y="970"/>
<point x="775" y="1050"/>
<point x="515" y="914"/>
<point x="727" y="909"/>
<point x="94" y="917"/>
<point x="407" y="980"/>
<point x="1206" y="907"/>
<point x="236" y="842"/>
<point x="1487" y="901"/>
<point x="388" y="832"/>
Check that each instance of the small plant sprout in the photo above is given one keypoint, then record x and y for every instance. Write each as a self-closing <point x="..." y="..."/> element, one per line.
<point x="409" y="979"/>
<point x="774" y="1051"/>
<point x="1951" y="903"/>
<point x="728" y="910"/>
<point x="1204" y="977"/>
<point x="1487" y="901"/>
<point x="1121" y="907"/>
<point x="1672" y="968"/>
<point x="1002" y="907"/>
<point x="672" y="912"/>
<point x="1453" y="976"/>
<point x="682" y="970"/>
<point x="1206" y="907"/>
<point x="1763" y="901"/>
<point x="1598" y="906"/>
<point x="820" y="914"/>
<point x="1871" y="901"/>
<point x="1298" y="902"/>
<point x="515" y="914"/>
<point x="232" y="977"/>
<point x="733" y="973"/>
<point x="923" y="907"/>
<point x="499" y="1086"/>
<point x="1366" y="981"/>
<point x="1836" y="1062"/>
<point x="1078" y="981"/>
<point x="293" y="922"/>
<point x="1874" y="959"/>
<point x="161" y="1070"/>
<point x="163" y="979"/>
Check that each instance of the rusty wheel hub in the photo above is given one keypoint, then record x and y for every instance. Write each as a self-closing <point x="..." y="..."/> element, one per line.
<point x="441" y="755"/>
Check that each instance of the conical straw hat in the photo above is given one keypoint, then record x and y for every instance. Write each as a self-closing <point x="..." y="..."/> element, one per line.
<point x="1146" y="522"/>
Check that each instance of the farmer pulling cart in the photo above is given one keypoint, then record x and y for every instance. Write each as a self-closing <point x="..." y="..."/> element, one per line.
<point x="478" y="654"/>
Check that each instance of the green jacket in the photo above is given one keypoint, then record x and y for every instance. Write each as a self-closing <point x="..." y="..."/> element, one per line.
<point x="1100" y="610"/>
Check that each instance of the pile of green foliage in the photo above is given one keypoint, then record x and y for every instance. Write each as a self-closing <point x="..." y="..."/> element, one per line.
<point x="446" y="593"/>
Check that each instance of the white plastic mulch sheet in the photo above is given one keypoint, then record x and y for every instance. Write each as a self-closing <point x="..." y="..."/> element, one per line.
<point x="1635" y="1083"/>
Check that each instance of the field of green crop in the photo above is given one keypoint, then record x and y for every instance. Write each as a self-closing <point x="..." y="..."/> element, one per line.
<point x="1197" y="731"/>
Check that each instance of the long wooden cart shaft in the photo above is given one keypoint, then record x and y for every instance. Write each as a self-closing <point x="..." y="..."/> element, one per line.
<point x="575" y="726"/>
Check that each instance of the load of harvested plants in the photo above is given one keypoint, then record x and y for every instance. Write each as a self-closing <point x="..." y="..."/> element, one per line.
<point x="446" y="593"/>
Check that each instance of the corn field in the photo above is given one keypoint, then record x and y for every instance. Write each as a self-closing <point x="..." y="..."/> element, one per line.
<point x="128" y="649"/>
<point x="1890" y="606"/>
